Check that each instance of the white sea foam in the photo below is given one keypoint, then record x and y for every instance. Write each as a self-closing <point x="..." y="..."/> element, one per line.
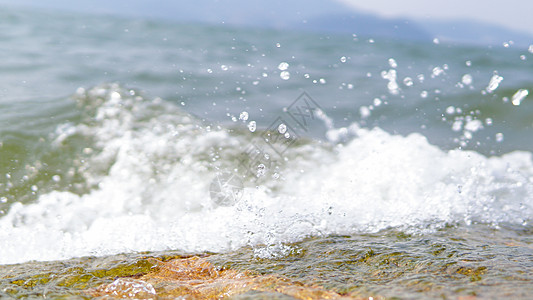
<point x="155" y="195"/>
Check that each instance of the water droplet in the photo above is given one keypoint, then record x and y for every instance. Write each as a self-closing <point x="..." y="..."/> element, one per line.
<point x="343" y="59"/>
<point x="420" y="77"/>
<point x="450" y="110"/>
<point x="392" y="63"/>
<point x="34" y="188"/>
<point x="322" y="81"/>
<point x="282" y="128"/>
<point x="285" y="75"/>
<point x="466" y="79"/>
<point x="261" y="170"/>
<point x="243" y="116"/>
<point x="252" y="126"/>
<point x="468" y="63"/>
<point x="436" y="41"/>
<point x="520" y="95"/>
<point x="364" y="111"/>
<point x="377" y="102"/>
<point x="392" y="85"/>
<point x="457" y="125"/>
<point x="56" y="178"/>
<point x="306" y="76"/>
<point x="522" y="57"/>
<point x="473" y="125"/>
<point x="278" y="45"/>
<point x="408" y="81"/>
<point x="3" y="200"/>
<point x="424" y="94"/>
<point x="224" y="67"/>
<point x="437" y="71"/>
<point x="499" y="137"/>
<point x="283" y="66"/>
<point x="494" y="83"/>
<point x="209" y="71"/>
<point x="530" y="49"/>
<point x="115" y="96"/>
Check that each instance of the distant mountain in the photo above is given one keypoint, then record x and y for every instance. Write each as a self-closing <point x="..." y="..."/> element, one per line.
<point x="270" y="13"/>
<point x="311" y="15"/>
<point x="456" y="31"/>
<point x="468" y="32"/>
<point x="366" y="25"/>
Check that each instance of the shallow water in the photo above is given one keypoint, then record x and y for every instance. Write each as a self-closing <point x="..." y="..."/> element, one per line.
<point x="451" y="263"/>
<point x="371" y="168"/>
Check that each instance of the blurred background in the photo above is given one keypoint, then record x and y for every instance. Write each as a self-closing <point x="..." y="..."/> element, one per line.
<point x="474" y="21"/>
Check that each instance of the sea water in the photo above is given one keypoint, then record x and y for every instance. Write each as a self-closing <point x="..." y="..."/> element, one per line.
<point x="120" y="136"/>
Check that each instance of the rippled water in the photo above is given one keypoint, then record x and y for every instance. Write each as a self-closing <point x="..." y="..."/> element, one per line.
<point x="369" y="167"/>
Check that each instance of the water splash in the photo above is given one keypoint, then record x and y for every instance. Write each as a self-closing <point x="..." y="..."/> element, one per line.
<point x="152" y="166"/>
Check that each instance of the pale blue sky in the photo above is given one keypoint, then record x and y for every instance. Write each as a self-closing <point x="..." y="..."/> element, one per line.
<point x="513" y="14"/>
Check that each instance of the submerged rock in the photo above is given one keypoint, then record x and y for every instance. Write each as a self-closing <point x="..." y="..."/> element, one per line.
<point x="196" y="278"/>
